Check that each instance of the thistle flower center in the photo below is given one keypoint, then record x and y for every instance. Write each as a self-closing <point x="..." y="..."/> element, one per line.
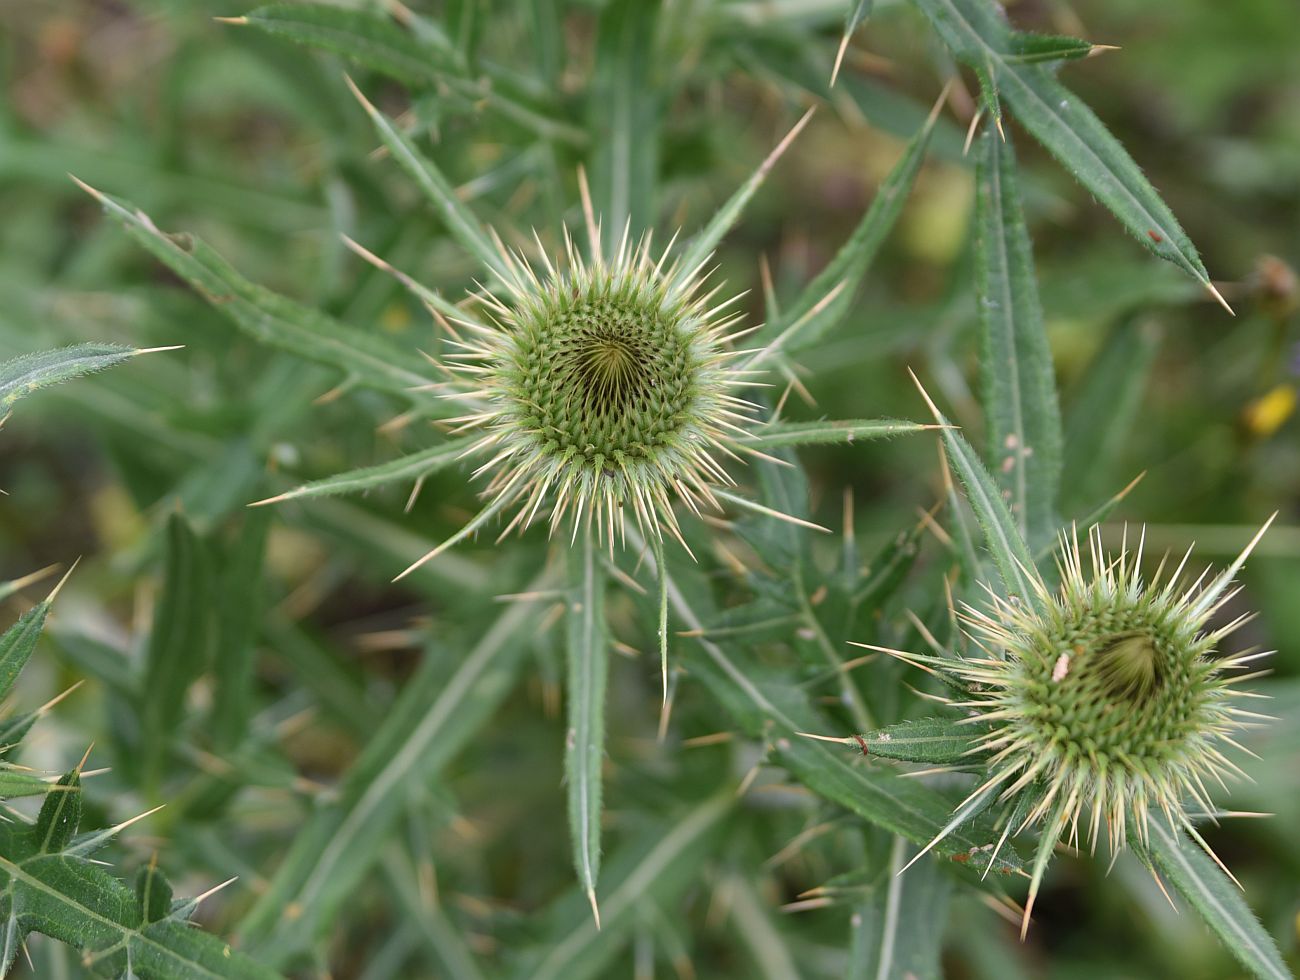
<point x="1133" y="694"/>
<point x="605" y="376"/>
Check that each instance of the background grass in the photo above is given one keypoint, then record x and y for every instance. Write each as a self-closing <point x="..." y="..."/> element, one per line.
<point x="255" y="145"/>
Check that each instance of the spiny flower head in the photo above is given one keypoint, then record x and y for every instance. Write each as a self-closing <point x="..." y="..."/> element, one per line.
<point x="1102" y="700"/>
<point x="601" y="386"/>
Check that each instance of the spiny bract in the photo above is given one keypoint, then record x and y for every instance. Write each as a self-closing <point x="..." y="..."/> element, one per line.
<point x="601" y="386"/>
<point x="1102" y="699"/>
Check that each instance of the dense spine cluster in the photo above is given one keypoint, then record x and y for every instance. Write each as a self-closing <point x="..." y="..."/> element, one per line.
<point x="600" y="387"/>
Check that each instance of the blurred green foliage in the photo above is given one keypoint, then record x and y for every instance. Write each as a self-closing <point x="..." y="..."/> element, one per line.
<point x="313" y="677"/>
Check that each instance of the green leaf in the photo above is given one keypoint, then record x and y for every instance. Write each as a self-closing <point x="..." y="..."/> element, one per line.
<point x="1218" y="899"/>
<point x="437" y="189"/>
<point x="1019" y="391"/>
<point x="846" y="271"/>
<point x="367" y="38"/>
<point x="15" y="782"/>
<point x="826" y="432"/>
<point x="652" y="870"/>
<point x="415" y="466"/>
<point x="60" y="815"/>
<point x="777" y="713"/>
<point x="178" y="644"/>
<point x="1028" y="49"/>
<point x="78" y="902"/>
<point x="28" y="372"/>
<point x="1105" y="409"/>
<point x="154" y="893"/>
<point x="588" y="663"/>
<point x="1005" y="542"/>
<point x="365" y="358"/>
<point x="422" y="57"/>
<point x="434" y="718"/>
<point x="898" y="932"/>
<point x="623" y="116"/>
<point x="977" y="34"/>
<point x="703" y="244"/>
<point x="934" y="740"/>
<point x="17" y="644"/>
<point x="241" y="603"/>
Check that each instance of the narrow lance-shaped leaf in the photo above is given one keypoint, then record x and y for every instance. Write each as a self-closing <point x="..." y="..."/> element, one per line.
<point x="588" y="668"/>
<point x="433" y="184"/>
<point x="421" y="56"/>
<point x="977" y="33"/>
<point x="364" y="358"/>
<point x="898" y="932"/>
<point x="1005" y="542"/>
<point x="1035" y="48"/>
<point x="368" y="38"/>
<point x="1021" y="415"/>
<point x="855" y="256"/>
<point x="939" y="741"/>
<point x="623" y="112"/>
<point x="240" y="604"/>
<point x="1199" y="880"/>
<point x="414" y="466"/>
<point x="702" y="246"/>
<point x="178" y="644"/>
<point x="17" y="644"/>
<point x="28" y="372"/>
<point x="826" y="432"/>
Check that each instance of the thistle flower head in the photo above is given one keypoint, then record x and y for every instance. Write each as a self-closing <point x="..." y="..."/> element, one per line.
<point x="600" y="387"/>
<point x="1103" y="700"/>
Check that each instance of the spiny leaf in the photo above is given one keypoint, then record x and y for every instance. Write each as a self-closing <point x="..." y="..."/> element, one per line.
<point x="422" y="56"/>
<point x="588" y="669"/>
<point x="178" y="644"/>
<point x="78" y="902"/>
<point x="17" y="644"/>
<point x="460" y="221"/>
<point x="363" y="357"/>
<point x="60" y="815"/>
<point x="367" y="38"/>
<point x="847" y="269"/>
<point x="1024" y="425"/>
<point x="1005" y="543"/>
<point x="977" y="33"/>
<point x="623" y="112"/>
<point x="933" y="740"/>
<point x="28" y="372"/>
<point x="827" y="431"/>
<point x="1202" y="882"/>
<point x="405" y="468"/>
<point x="1028" y="49"/>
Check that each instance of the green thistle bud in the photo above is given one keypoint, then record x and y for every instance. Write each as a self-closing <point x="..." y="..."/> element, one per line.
<point x="1102" y="701"/>
<point x="603" y="387"/>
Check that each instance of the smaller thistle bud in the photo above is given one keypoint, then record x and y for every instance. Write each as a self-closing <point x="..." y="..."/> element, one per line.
<point x="1103" y="700"/>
